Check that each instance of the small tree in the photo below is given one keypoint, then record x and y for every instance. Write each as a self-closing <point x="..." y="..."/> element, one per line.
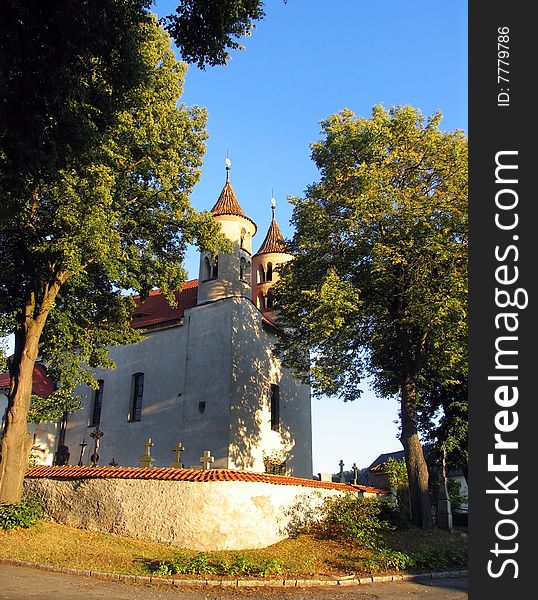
<point x="396" y="472"/>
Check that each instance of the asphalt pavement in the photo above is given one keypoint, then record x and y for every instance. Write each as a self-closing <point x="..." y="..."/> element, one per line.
<point x="23" y="583"/>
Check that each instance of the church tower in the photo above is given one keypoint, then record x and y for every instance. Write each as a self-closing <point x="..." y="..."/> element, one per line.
<point x="228" y="274"/>
<point x="272" y="252"/>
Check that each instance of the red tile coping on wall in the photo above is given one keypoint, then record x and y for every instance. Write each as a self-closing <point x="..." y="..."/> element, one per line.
<point x="169" y="474"/>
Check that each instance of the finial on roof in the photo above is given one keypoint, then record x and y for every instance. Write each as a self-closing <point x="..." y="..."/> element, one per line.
<point x="228" y="167"/>
<point x="273" y="207"/>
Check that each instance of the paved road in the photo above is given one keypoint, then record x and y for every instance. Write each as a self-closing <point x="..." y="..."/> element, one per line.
<point x="21" y="583"/>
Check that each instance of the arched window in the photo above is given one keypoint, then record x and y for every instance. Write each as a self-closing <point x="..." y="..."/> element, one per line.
<point x="243" y="237"/>
<point x="260" y="302"/>
<point x="206" y="269"/>
<point x="261" y="274"/>
<point x="242" y="268"/>
<point x="269" y="272"/>
<point x="270" y="302"/>
<point x="137" y="394"/>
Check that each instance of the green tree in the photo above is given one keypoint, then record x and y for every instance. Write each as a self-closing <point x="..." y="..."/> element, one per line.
<point x="378" y="285"/>
<point x="118" y="217"/>
<point x="396" y="472"/>
<point x="443" y="421"/>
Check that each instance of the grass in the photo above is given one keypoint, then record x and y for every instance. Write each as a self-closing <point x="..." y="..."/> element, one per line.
<point x="306" y="555"/>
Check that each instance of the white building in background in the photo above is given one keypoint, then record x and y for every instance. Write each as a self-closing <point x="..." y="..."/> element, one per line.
<point x="204" y="375"/>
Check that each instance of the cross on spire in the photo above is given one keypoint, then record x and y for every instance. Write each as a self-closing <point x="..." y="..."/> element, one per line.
<point x="206" y="460"/>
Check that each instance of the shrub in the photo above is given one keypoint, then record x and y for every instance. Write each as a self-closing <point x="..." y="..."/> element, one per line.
<point x="353" y="519"/>
<point x="204" y="564"/>
<point x="26" y="514"/>
<point x="385" y="559"/>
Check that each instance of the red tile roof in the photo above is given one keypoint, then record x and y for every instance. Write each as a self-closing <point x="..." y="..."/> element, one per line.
<point x="42" y="384"/>
<point x="169" y="474"/>
<point x="274" y="240"/>
<point x="155" y="309"/>
<point x="227" y="204"/>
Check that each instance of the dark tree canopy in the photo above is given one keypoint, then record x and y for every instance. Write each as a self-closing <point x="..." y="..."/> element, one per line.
<point x="205" y="30"/>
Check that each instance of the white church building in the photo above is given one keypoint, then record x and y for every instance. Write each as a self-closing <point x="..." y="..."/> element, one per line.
<point x="204" y="377"/>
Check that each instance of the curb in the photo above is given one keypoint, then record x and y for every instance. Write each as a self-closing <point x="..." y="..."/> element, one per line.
<point x="145" y="579"/>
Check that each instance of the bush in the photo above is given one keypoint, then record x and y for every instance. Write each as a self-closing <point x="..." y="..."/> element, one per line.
<point x="23" y="515"/>
<point x="353" y="519"/>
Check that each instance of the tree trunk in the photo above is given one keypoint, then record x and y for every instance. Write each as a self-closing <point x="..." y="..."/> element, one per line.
<point x="16" y="443"/>
<point x="417" y="469"/>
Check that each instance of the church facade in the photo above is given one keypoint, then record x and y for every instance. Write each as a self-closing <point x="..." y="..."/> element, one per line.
<point x="204" y="377"/>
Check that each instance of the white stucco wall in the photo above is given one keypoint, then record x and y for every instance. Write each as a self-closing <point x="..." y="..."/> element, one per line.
<point x="217" y="515"/>
<point x="255" y="368"/>
<point x="220" y="356"/>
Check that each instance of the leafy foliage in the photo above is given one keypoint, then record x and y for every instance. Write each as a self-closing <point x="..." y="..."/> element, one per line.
<point x="205" y="564"/>
<point x="380" y="250"/>
<point x="396" y="471"/>
<point x="25" y="514"/>
<point x="204" y="31"/>
<point x="352" y="518"/>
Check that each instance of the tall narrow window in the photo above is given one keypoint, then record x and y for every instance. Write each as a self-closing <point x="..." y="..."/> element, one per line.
<point x="97" y="403"/>
<point x="137" y="395"/>
<point x="242" y="268"/>
<point x="215" y="268"/>
<point x="269" y="272"/>
<point x="261" y="274"/>
<point x="275" y="407"/>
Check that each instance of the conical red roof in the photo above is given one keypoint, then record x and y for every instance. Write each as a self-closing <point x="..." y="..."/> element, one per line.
<point x="274" y="241"/>
<point x="227" y="204"/>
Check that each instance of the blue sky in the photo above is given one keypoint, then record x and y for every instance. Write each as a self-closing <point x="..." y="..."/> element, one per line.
<point x="307" y="60"/>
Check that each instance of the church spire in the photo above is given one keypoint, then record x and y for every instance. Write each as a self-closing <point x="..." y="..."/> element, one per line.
<point x="228" y="274"/>
<point x="272" y="252"/>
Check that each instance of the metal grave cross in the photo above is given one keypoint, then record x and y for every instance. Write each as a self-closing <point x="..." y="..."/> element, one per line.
<point x="82" y="450"/>
<point x="146" y="461"/>
<point x="96" y="434"/>
<point x="178" y="449"/>
<point x="206" y="460"/>
<point x="341" y="464"/>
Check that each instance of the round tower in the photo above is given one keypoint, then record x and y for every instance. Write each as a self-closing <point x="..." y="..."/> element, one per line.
<point x="272" y="252"/>
<point x="229" y="274"/>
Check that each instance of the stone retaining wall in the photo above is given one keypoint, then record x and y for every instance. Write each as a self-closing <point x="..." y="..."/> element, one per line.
<point x="201" y="515"/>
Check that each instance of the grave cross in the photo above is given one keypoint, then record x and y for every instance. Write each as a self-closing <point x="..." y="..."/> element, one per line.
<point x="206" y="460"/>
<point x="355" y="473"/>
<point x="146" y="461"/>
<point x="178" y="449"/>
<point x="341" y="464"/>
<point x="82" y="445"/>
<point x="96" y="434"/>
